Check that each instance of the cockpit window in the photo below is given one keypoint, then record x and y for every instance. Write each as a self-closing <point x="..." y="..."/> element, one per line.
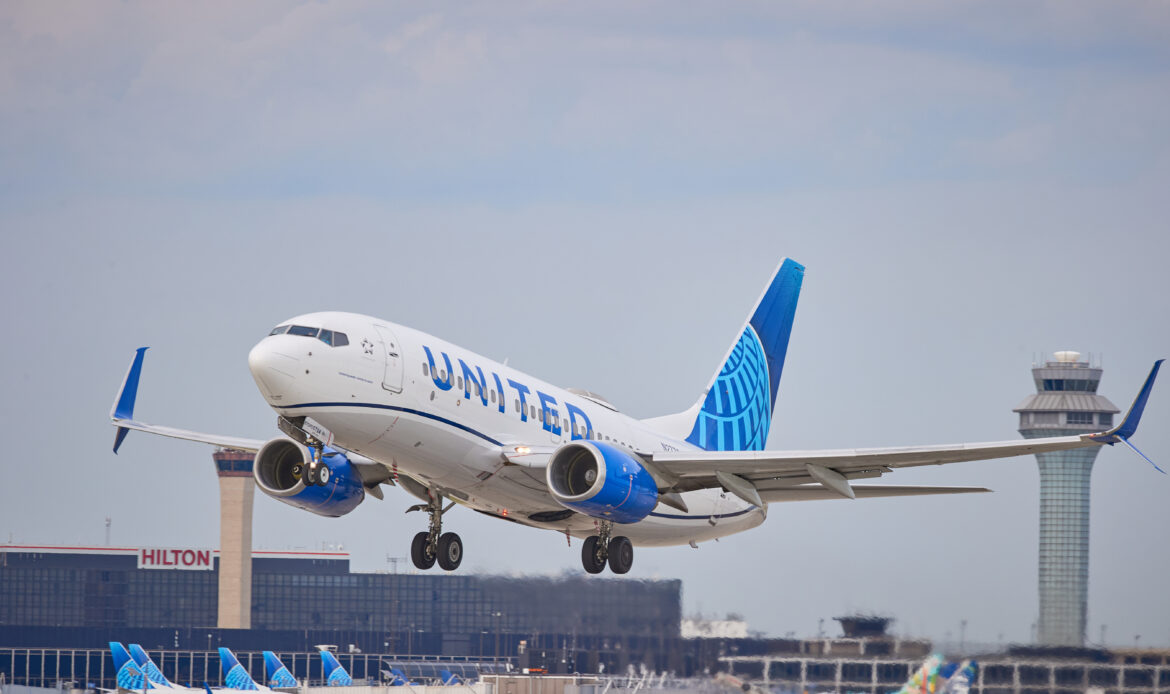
<point x="329" y="337"/>
<point x="302" y="330"/>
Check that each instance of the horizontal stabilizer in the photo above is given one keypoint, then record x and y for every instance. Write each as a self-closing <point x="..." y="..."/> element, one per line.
<point x="817" y="492"/>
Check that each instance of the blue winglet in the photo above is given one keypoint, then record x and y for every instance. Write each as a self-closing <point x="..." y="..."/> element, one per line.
<point x="124" y="405"/>
<point x="1129" y="425"/>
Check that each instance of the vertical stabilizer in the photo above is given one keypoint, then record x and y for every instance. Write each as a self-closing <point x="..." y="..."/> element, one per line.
<point x="234" y="674"/>
<point x="128" y="676"/>
<point x="278" y="675"/>
<point x="147" y="666"/>
<point x="335" y="675"/>
<point x="735" y="412"/>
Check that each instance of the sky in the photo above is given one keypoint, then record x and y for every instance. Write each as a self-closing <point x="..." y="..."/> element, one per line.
<point x="598" y="193"/>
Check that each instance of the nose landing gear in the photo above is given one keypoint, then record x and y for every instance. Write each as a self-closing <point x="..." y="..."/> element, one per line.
<point x="435" y="545"/>
<point x="600" y="549"/>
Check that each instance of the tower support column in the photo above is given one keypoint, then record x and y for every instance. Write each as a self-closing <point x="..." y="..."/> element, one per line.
<point x="236" y="492"/>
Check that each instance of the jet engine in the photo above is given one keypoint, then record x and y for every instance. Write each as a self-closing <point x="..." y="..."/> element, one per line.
<point x="601" y="480"/>
<point x="278" y="469"/>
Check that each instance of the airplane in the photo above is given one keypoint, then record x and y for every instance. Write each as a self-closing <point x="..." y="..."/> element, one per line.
<point x="130" y="676"/>
<point x="335" y="674"/>
<point x="362" y="402"/>
<point x="147" y="666"/>
<point x="937" y="676"/>
<point x="278" y="675"/>
<point x="234" y="674"/>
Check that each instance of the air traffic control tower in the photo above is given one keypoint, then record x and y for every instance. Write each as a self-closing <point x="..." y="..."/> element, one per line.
<point x="1066" y="403"/>
<point x="237" y="490"/>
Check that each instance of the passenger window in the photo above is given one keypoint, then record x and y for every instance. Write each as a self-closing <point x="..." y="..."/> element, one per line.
<point x="340" y="340"/>
<point x="279" y="330"/>
<point x="326" y="336"/>
<point x="459" y="382"/>
<point x="426" y="369"/>
<point x="443" y="375"/>
<point x="564" y="425"/>
<point x="493" y="397"/>
<point x="517" y="405"/>
<point x="532" y="410"/>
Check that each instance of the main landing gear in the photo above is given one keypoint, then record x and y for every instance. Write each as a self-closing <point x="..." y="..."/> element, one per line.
<point x="435" y="545"/>
<point x="600" y="549"/>
<point x="314" y="472"/>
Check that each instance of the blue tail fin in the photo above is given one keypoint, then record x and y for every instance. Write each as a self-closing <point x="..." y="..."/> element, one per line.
<point x="147" y="666"/>
<point x="735" y="414"/>
<point x="335" y="675"/>
<point x="128" y="676"/>
<point x="278" y="674"/>
<point x="234" y="674"/>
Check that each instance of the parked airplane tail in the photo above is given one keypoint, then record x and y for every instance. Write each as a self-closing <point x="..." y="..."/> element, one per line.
<point x="735" y="412"/>
<point x="278" y="675"/>
<point x="144" y="663"/>
<point x="234" y="674"/>
<point x="129" y="676"/>
<point x="335" y="675"/>
<point x="936" y="676"/>
<point x="399" y="678"/>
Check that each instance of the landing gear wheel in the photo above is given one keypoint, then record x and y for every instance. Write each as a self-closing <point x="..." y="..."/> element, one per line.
<point x="418" y="552"/>
<point x="621" y="554"/>
<point x="323" y="474"/>
<point x="591" y="557"/>
<point x="450" y="551"/>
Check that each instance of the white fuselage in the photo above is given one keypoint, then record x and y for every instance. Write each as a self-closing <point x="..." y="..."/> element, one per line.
<point x="444" y="416"/>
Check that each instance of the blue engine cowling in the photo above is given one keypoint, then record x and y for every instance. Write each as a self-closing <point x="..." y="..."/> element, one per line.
<point x="601" y="480"/>
<point x="277" y="470"/>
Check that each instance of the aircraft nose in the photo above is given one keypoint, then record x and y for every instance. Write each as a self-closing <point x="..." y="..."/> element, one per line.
<point x="272" y="370"/>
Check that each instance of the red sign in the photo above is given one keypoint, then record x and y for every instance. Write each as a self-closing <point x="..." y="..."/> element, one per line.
<point x="173" y="558"/>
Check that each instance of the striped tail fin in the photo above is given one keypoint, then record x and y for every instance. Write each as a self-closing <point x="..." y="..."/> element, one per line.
<point x="735" y="413"/>
<point x="335" y="675"/>
<point x="147" y="666"/>
<point x="128" y="676"/>
<point x="234" y="674"/>
<point x="278" y="674"/>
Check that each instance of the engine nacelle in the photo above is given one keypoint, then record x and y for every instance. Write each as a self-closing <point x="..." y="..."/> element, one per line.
<point x="278" y="468"/>
<point x="601" y="480"/>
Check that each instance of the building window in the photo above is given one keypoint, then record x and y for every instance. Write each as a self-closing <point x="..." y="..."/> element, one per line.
<point x="1105" y="419"/>
<point x="1080" y="417"/>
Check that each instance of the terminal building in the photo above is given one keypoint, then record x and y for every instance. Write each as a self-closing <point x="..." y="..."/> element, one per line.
<point x="85" y="596"/>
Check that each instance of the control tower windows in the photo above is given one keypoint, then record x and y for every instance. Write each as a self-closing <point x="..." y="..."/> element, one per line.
<point x="1080" y="385"/>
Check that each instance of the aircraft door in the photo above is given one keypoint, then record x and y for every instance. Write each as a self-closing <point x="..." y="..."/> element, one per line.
<point x="392" y="350"/>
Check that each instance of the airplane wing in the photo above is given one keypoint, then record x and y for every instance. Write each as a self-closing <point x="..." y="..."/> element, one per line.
<point x="758" y="476"/>
<point x="122" y="416"/>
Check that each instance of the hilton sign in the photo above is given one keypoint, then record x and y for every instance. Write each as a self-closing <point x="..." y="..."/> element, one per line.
<point x="174" y="558"/>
